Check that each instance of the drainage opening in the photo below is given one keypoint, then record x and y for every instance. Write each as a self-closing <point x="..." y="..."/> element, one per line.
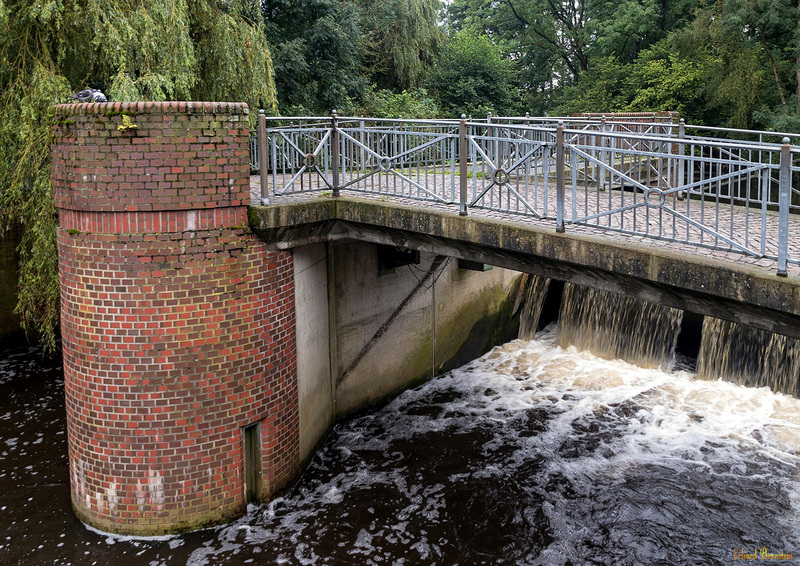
<point x="552" y="304"/>
<point x="252" y="462"/>
<point x="688" y="347"/>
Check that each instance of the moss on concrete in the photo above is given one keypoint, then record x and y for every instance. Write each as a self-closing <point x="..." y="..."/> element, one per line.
<point x="497" y="326"/>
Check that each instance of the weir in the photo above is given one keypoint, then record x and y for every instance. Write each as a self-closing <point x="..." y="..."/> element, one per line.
<point x="646" y="334"/>
<point x="615" y="326"/>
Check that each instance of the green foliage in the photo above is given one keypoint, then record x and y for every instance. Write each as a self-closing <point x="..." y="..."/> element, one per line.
<point x="472" y="77"/>
<point x="625" y="28"/>
<point x="400" y="40"/>
<point x="663" y="81"/>
<point x="316" y="52"/>
<point x="783" y="119"/>
<point x="548" y="38"/>
<point x="408" y="104"/>
<point x="233" y="58"/>
<point x="734" y="69"/>
<point x="133" y="50"/>
<point x="604" y="88"/>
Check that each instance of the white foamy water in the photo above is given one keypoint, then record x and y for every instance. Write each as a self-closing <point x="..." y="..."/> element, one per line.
<point x="538" y="455"/>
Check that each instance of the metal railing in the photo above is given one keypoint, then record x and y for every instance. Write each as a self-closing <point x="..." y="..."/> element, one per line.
<point x="647" y="179"/>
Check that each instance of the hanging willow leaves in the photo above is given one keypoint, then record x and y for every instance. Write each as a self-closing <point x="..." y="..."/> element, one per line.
<point x="130" y="49"/>
<point x="400" y="39"/>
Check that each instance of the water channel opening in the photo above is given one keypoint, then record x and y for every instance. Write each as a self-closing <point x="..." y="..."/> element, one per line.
<point x="749" y="356"/>
<point x="540" y="298"/>
<point x="614" y="326"/>
<point x="252" y="462"/>
<point x="392" y="257"/>
<point x="552" y="304"/>
<point x="687" y="349"/>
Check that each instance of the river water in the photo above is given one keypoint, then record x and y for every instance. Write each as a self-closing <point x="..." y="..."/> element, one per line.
<point x="530" y="455"/>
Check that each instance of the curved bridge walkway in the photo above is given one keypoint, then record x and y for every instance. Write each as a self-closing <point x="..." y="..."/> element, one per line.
<point x="737" y="222"/>
<point x="662" y="185"/>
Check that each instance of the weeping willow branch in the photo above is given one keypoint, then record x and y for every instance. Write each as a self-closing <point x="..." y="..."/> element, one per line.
<point x="132" y="50"/>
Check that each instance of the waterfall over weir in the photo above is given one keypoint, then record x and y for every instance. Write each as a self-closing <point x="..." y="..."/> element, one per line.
<point x="614" y="326"/>
<point x="618" y="327"/>
<point x="749" y="356"/>
<point x="532" y="292"/>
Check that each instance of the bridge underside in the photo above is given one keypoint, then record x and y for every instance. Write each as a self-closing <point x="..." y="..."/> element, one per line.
<point x="692" y="282"/>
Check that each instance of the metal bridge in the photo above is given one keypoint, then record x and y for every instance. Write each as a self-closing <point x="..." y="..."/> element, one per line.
<point x="734" y="193"/>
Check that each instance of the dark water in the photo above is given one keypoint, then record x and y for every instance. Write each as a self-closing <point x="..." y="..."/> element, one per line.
<point x="531" y="455"/>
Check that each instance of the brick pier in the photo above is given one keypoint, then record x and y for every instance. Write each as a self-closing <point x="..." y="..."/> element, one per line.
<point x="178" y="324"/>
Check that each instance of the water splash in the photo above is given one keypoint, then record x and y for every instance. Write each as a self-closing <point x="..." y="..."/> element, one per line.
<point x="614" y="326"/>
<point x="536" y="455"/>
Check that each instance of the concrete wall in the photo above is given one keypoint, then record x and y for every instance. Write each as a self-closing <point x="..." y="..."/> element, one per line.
<point x="419" y="343"/>
<point x="314" y="384"/>
<point x="344" y="301"/>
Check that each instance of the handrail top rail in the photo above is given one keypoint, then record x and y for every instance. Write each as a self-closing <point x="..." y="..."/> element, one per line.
<point x="327" y="119"/>
<point x="626" y="121"/>
<point x="554" y="119"/>
<point x="320" y="123"/>
<point x="688" y="140"/>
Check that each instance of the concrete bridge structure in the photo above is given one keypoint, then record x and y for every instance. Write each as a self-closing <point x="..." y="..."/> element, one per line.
<point x="216" y="324"/>
<point x="632" y="205"/>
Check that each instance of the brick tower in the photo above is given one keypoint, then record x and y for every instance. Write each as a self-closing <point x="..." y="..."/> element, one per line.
<point x="178" y="325"/>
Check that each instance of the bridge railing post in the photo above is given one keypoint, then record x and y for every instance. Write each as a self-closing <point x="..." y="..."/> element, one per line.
<point x="262" y="155"/>
<point x="560" y="177"/>
<point x="335" y="148"/>
<point x="362" y="134"/>
<point x="489" y="145"/>
<point x="605" y="155"/>
<point x="528" y="136"/>
<point x="681" y="163"/>
<point x="784" y="201"/>
<point x="462" y="166"/>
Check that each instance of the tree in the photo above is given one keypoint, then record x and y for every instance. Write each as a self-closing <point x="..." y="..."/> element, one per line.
<point x="658" y="80"/>
<point x="603" y="88"/>
<point x="133" y="50"/>
<point x="471" y="76"/>
<point x="735" y="69"/>
<point x="401" y="37"/>
<point x="556" y="32"/>
<point x="408" y="104"/>
<point x="773" y="24"/>
<point x="317" y="54"/>
<point x="663" y="81"/>
<point x="625" y="28"/>
<point x="555" y="43"/>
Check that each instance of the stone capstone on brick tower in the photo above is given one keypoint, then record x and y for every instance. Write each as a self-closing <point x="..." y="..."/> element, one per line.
<point x="178" y="325"/>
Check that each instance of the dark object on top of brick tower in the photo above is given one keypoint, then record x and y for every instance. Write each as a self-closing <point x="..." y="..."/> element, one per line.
<point x="89" y="95"/>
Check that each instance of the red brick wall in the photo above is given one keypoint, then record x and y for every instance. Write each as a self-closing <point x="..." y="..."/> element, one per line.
<point x="177" y="323"/>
